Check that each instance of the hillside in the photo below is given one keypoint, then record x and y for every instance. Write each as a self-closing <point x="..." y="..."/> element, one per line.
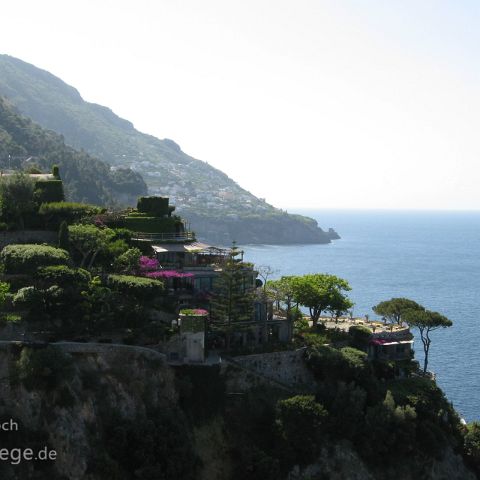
<point x="213" y="202"/>
<point x="24" y="144"/>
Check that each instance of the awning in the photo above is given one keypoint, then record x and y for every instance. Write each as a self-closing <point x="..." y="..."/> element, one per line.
<point x="379" y="341"/>
<point x="193" y="247"/>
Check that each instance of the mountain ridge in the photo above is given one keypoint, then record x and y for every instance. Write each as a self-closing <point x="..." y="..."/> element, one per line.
<point x="204" y="195"/>
<point x="24" y="145"/>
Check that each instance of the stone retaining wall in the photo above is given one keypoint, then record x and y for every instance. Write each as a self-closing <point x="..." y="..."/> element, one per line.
<point x="28" y="236"/>
<point x="285" y="368"/>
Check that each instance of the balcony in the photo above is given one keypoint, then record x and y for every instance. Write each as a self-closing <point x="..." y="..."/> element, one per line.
<point x="164" y="237"/>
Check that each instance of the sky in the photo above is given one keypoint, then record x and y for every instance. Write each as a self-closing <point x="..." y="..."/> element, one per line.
<point x="307" y="103"/>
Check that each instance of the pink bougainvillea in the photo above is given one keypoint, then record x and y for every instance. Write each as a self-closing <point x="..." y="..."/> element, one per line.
<point x="150" y="267"/>
<point x="168" y="274"/>
<point x="147" y="264"/>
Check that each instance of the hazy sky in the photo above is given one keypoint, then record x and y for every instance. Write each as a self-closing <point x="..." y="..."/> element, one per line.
<point x="309" y="103"/>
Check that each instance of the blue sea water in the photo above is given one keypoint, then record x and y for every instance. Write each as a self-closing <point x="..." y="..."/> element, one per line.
<point x="430" y="257"/>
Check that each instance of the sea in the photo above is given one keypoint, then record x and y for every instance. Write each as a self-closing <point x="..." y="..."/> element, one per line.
<point x="430" y="257"/>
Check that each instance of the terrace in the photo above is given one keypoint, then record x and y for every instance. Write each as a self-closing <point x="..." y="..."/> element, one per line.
<point x="173" y="237"/>
<point x="193" y="256"/>
<point x="388" y="341"/>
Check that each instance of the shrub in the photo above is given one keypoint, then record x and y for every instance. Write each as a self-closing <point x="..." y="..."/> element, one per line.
<point x="472" y="445"/>
<point x="28" y="297"/>
<point x="155" y="206"/>
<point x="48" y="191"/>
<point x="44" y="368"/>
<point x="360" y="336"/>
<point x="56" y="212"/>
<point x="347" y="364"/>
<point x="139" y="287"/>
<point x="27" y="258"/>
<point x="16" y="199"/>
<point x="64" y="276"/>
<point x="153" y="224"/>
<point x="300" y="420"/>
<point x="128" y="261"/>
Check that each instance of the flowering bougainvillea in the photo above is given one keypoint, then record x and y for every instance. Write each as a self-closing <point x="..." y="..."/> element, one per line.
<point x="168" y="274"/>
<point x="148" y="264"/>
<point x="150" y="267"/>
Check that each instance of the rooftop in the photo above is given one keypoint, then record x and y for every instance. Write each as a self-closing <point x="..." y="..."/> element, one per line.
<point x="378" y="329"/>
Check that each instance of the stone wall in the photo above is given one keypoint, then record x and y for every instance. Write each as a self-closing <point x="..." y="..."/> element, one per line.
<point x="28" y="236"/>
<point x="285" y="369"/>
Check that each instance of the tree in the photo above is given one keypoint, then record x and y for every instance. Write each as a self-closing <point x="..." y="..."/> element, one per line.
<point x="394" y="308"/>
<point x="426" y="321"/>
<point x="128" y="262"/>
<point x="89" y="241"/>
<point x="301" y="424"/>
<point x="264" y="272"/>
<point x="320" y="292"/>
<point x="283" y="291"/>
<point x="339" y="305"/>
<point x="472" y="445"/>
<point x="16" y="199"/>
<point x="232" y="299"/>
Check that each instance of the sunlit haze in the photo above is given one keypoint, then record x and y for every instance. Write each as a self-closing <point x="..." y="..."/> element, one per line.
<point x="308" y="103"/>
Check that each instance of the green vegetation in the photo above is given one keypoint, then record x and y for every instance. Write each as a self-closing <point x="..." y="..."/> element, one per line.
<point x="85" y="179"/>
<point x="63" y="275"/>
<point x="55" y="213"/>
<point x="394" y="309"/>
<point x="17" y="259"/>
<point x="472" y="446"/>
<point x="426" y="322"/>
<point x="154" y="206"/>
<point x="232" y="301"/>
<point x="301" y="424"/>
<point x="44" y="369"/>
<point x="17" y="199"/>
<point x="321" y="292"/>
<point x="48" y="191"/>
<point x="137" y="287"/>
<point x="155" y="445"/>
<point x="147" y="224"/>
<point x="88" y="241"/>
<point x="98" y="131"/>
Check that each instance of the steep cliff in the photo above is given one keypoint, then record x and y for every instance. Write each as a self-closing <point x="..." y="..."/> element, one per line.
<point x="118" y="412"/>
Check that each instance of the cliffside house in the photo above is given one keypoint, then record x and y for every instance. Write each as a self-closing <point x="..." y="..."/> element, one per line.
<point x="387" y="342"/>
<point x="192" y="268"/>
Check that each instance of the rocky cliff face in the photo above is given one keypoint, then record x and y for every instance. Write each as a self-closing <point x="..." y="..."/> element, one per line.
<point x="274" y="230"/>
<point x="122" y="413"/>
<point x="106" y="390"/>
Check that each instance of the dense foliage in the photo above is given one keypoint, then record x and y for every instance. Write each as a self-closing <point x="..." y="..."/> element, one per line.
<point x="138" y="287"/>
<point x="47" y="191"/>
<point x="54" y="213"/>
<point x="85" y="178"/>
<point x="27" y="258"/>
<point x="155" y="206"/>
<point x="44" y="368"/>
<point x="101" y="133"/>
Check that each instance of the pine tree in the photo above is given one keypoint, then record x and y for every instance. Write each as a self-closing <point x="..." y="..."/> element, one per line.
<point x="232" y="300"/>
